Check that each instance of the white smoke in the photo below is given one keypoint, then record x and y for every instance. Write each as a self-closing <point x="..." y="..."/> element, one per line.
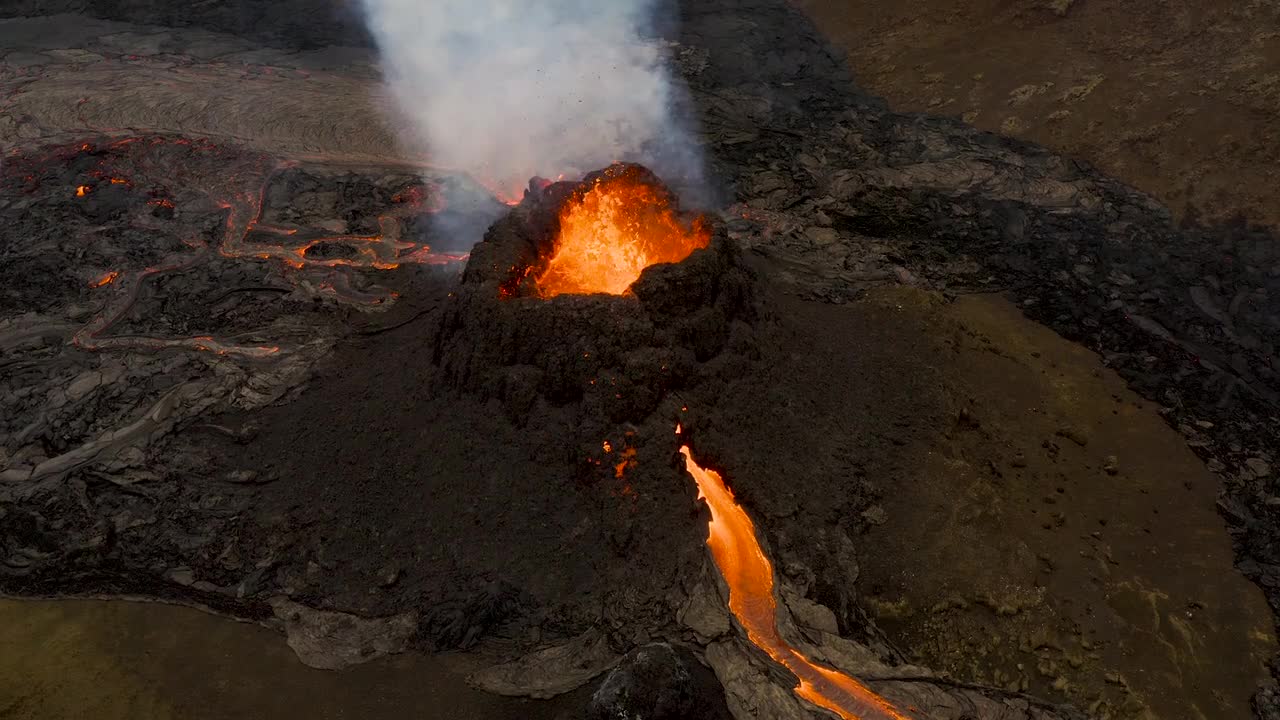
<point x="505" y="90"/>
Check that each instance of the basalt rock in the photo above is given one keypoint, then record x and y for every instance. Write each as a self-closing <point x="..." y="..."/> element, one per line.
<point x="659" y="681"/>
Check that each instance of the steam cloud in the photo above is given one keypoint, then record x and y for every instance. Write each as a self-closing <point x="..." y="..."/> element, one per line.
<point x="506" y="90"/>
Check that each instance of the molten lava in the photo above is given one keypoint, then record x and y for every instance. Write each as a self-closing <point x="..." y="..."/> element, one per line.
<point x="614" y="229"/>
<point x="105" y="279"/>
<point x="747" y="571"/>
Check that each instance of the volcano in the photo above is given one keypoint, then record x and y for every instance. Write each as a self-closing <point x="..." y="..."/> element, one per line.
<point x="957" y="415"/>
<point x="605" y="231"/>
<point x="622" y="349"/>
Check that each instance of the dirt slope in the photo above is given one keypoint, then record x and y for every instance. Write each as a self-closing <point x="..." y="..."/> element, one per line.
<point x="1176" y="97"/>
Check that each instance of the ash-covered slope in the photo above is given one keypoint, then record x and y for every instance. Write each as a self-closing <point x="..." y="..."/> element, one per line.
<point x="860" y="195"/>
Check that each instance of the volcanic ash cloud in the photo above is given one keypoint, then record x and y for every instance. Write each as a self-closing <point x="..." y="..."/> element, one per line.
<point x="508" y="90"/>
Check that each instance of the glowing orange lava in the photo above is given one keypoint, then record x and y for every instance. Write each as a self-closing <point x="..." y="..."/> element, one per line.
<point x="611" y="231"/>
<point x="244" y="205"/>
<point x="747" y="571"/>
<point x="105" y="279"/>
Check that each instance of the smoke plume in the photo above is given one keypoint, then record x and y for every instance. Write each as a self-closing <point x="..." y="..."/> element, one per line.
<point x="506" y="90"/>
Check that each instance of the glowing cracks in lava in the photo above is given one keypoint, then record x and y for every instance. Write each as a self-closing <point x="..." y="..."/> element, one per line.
<point x="626" y="460"/>
<point x="83" y="190"/>
<point x="105" y="279"/>
<point x="749" y="575"/>
<point x="622" y="461"/>
<point x="383" y="251"/>
<point x="114" y="164"/>
<point x="208" y="344"/>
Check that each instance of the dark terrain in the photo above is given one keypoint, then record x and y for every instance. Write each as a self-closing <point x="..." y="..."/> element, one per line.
<point x="354" y="479"/>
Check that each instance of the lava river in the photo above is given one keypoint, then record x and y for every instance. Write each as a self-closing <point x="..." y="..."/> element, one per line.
<point x="746" y="569"/>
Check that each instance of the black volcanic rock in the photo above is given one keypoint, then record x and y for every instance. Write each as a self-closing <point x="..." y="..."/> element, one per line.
<point x="659" y="681"/>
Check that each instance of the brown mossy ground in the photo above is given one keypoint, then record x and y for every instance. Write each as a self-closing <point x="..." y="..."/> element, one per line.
<point x="1178" y="98"/>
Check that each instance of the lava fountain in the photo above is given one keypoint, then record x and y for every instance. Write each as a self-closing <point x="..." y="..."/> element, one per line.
<point x="613" y="228"/>
<point x="749" y="574"/>
<point x="594" y="236"/>
<point x="664" y="294"/>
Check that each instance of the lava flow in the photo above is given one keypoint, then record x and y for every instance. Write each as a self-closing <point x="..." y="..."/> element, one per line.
<point x="105" y="279"/>
<point x="746" y="569"/>
<point x="614" y="229"/>
<point x="382" y="251"/>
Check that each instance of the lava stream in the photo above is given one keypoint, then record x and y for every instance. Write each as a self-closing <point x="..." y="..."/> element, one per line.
<point x="746" y="569"/>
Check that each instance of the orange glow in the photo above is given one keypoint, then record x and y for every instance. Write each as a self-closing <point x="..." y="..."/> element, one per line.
<point x="749" y="575"/>
<point x="106" y="279"/>
<point x="208" y="344"/>
<point x="382" y="251"/>
<point x="611" y="231"/>
<point x="626" y="460"/>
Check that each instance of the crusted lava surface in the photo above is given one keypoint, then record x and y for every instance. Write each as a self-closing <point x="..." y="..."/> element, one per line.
<point x="147" y="281"/>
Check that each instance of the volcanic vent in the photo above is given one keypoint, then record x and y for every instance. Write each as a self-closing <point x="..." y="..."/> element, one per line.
<point x="602" y="296"/>
<point x="592" y="315"/>
<point x="600" y="292"/>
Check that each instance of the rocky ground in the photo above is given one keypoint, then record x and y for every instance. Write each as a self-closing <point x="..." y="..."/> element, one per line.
<point x="302" y="450"/>
<point x="1175" y="97"/>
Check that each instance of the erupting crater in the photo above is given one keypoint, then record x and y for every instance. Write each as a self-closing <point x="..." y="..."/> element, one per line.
<point x="596" y="236"/>
<point x="612" y="228"/>
<point x="601" y="292"/>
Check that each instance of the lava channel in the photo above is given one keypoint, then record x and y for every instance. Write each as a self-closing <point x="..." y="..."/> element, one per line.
<point x="749" y="574"/>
